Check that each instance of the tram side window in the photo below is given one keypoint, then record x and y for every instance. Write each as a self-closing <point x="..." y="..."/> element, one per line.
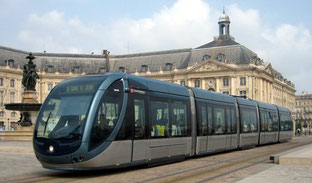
<point x="275" y="121"/>
<point x="270" y="121"/>
<point x="179" y="125"/>
<point x="203" y="123"/>
<point x="253" y="120"/>
<point x="282" y="122"/>
<point x="234" y="123"/>
<point x="264" y="126"/>
<point x="159" y="118"/>
<point x="107" y="114"/>
<point x="219" y="120"/>
<point x="228" y="121"/>
<point x="248" y="121"/>
<point x="210" y="127"/>
<point x="286" y="123"/>
<point x="139" y="118"/>
<point x="290" y="123"/>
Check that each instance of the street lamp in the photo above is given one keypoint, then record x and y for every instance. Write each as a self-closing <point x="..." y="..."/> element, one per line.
<point x="8" y="124"/>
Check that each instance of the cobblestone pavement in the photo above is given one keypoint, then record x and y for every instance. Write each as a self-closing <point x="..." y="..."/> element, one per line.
<point x="18" y="164"/>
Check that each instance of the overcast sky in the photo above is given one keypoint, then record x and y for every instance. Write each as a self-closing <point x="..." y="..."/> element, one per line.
<point x="278" y="31"/>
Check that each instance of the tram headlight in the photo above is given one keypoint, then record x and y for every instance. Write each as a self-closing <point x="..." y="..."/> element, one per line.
<point x="51" y="148"/>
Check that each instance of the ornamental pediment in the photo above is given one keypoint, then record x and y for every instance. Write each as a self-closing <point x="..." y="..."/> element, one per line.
<point x="269" y="69"/>
<point x="210" y="67"/>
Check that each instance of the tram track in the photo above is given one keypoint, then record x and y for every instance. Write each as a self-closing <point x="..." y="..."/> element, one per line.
<point x="213" y="168"/>
<point x="214" y="171"/>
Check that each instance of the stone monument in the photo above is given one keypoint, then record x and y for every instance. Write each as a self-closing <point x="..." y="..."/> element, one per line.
<point x="29" y="106"/>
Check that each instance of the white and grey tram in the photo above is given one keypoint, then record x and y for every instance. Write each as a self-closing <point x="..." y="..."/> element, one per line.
<point x="118" y="120"/>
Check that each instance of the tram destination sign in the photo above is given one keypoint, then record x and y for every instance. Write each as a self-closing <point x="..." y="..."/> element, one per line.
<point x="79" y="88"/>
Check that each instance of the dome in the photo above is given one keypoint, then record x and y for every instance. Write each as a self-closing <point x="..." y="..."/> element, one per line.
<point x="224" y="18"/>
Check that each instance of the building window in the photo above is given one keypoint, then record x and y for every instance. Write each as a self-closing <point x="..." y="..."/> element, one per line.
<point x="169" y="66"/>
<point x="50" y="68"/>
<point x="197" y="83"/>
<point x="2" y="125"/>
<point x="182" y="83"/>
<point x="243" y="81"/>
<point x="12" y="83"/>
<point x="226" y="92"/>
<point x="102" y="70"/>
<point x="1" y="98"/>
<point x="13" y="114"/>
<point x="242" y="93"/>
<point x="122" y="69"/>
<point x="50" y="86"/>
<point x="11" y="63"/>
<point x="76" y="70"/>
<point x="12" y="96"/>
<point x="1" y="81"/>
<point x="225" y="81"/>
<point x="1" y="113"/>
<point x="144" y="68"/>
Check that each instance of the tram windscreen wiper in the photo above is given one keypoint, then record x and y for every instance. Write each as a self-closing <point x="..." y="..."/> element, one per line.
<point x="46" y="123"/>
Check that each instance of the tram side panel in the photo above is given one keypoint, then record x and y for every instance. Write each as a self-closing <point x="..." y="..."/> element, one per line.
<point x="268" y="117"/>
<point x="286" y="127"/>
<point x="170" y="127"/>
<point x="249" y="125"/>
<point x="217" y="126"/>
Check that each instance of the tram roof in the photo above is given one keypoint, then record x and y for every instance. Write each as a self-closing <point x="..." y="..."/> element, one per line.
<point x="242" y="101"/>
<point x="282" y="109"/>
<point x="266" y="105"/>
<point x="156" y="85"/>
<point x="210" y="95"/>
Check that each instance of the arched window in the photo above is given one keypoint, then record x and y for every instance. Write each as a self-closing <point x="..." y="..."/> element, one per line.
<point x="122" y="69"/>
<point x="169" y="66"/>
<point x="50" y="68"/>
<point x="12" y="83"/>
<point x="102" y="70"/>
<point x="13" y="114"/>
<point x="76" y="70"/>
<point x="144" y="68"/>
<point x="11" y="62"/>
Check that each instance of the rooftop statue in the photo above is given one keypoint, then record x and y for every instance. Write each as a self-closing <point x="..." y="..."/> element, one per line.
<point x="30" y="75"/>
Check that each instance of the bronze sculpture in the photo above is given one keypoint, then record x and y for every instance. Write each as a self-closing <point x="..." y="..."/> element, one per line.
<point x="30" y="75"/>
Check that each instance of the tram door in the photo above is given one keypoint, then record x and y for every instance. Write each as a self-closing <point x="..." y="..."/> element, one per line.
<point x="140" y="141"/>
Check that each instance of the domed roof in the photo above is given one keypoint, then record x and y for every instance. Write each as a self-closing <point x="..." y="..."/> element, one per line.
<point x="224" y="18"/>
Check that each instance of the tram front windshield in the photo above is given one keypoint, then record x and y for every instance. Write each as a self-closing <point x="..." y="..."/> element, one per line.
<point x="64" y="112"/>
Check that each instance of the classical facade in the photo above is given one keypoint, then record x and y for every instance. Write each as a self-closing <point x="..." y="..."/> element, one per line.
<point x="222" y="65"/>
<point x="304" y="111"/>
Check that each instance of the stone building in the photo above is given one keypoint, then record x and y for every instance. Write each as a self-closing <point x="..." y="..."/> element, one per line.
<point x="304" y="111"/>
<point x="222" y="65"/>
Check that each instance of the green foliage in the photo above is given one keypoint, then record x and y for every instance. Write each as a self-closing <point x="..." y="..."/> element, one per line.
<point x="299" y="126"/>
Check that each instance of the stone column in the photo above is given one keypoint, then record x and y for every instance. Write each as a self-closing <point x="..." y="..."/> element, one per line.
<point x="217" y="85"/>
<point x="250" y="87"/>
<point x="261" y="89"/>
<point x="7" y="125"/>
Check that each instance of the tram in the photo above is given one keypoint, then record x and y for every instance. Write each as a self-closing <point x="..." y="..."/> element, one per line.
<point x="118" y="120"/>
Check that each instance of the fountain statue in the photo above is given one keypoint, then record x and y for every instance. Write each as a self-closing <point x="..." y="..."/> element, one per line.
<point x="29" y="106"/>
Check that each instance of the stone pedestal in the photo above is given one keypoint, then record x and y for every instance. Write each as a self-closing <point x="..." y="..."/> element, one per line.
<point x="29" y="96"/>
<point x="29" y="109"/>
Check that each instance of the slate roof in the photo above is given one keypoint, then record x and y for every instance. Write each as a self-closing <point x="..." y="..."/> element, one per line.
<point x="155" y="61"/>
<point x="62" y="63"/>
<point x="219" y="42"/>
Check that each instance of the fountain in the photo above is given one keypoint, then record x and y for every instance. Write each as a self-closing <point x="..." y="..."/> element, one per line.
<point x="29" y="106"/>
